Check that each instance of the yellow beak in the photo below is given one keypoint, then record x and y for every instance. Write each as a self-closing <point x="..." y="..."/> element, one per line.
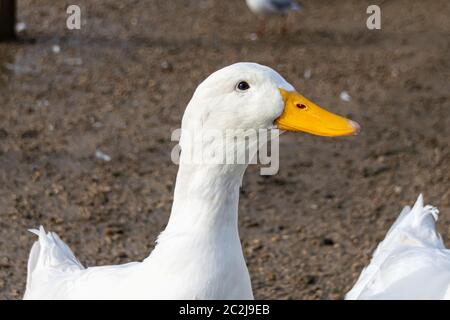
<point x="300" y="114"/>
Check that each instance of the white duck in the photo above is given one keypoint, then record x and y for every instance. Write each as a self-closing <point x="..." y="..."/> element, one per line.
<point x="265" y="8"/>
<point x="411" y="263"/>
<point x="199" y="254"/>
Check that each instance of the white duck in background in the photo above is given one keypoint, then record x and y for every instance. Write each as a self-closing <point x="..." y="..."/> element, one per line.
<point x="411" y="263"/>
<point x="266" y="8"/>
<point x="199" y="254"/>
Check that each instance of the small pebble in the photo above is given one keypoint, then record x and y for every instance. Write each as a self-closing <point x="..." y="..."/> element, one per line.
<point x="327" y="242"/>
<point x="307" y="74"/>
<point x="20" y="27"/>
<point x="345" y="96"/>
<point x="102" y="156"/>
<point x="56" y="48"/>
<point x="166" y="66"/>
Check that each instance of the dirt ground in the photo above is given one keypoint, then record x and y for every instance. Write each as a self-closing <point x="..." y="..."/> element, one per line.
<point x="121" y="83"/>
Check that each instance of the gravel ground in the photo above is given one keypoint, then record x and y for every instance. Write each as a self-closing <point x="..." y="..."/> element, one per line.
<point x="121" y="83"/>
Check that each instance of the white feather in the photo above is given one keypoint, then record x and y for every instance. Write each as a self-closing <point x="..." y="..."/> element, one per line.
<point x="410" y="263"/>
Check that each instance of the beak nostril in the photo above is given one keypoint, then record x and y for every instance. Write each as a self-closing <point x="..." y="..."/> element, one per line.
<point x="301" y="106"/>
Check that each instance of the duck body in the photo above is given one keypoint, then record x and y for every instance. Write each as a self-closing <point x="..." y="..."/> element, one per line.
<point x="191" y="272"/>
<point x="410" y="263"/>
<point x="198" y="256"/>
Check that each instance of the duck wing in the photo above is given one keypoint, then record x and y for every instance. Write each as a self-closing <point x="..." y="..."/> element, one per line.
<point x="48" y="255"/>
<point x="410" y="263"/>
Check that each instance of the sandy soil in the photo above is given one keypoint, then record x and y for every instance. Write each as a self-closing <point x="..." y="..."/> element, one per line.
<point x="121" y="84"/>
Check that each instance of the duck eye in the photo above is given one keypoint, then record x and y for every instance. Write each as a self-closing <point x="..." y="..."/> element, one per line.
<point x="243" y="86"/>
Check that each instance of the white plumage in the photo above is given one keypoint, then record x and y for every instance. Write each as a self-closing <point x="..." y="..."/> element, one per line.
<point x="410" y="263"/>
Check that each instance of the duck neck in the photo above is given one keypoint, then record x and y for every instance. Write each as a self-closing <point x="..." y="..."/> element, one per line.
<point x="206" y="199"/>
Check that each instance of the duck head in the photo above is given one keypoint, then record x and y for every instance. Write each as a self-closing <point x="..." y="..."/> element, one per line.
<point x="247" y="96"/>
<point x="252" y="96"/>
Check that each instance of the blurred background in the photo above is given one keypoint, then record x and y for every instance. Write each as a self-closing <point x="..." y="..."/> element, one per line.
<point x="86" y="118"/>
